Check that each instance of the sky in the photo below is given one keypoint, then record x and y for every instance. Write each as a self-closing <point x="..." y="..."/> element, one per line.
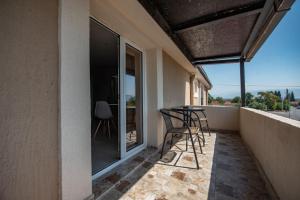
<point x="276" y="65"/>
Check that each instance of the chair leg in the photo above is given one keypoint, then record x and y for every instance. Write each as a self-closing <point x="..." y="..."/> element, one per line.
<point x="194" y="150"/>
<point x="202" y="133"/>
<point x="162" y="150"/>
<point x="95" y="133"/>
<point x="186" y="142"/>
<point x="208" y="128"/>
<point x="171" y="141"/>
<point x="199" y="143"/>
<point x="100" y="127"/>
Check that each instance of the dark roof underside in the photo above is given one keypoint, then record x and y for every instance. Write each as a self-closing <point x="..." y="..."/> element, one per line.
<point x="220" y="38"/>
<point x="213" y="31"/>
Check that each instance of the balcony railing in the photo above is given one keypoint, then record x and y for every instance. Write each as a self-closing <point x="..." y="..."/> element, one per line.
<point x="274" y="142"/>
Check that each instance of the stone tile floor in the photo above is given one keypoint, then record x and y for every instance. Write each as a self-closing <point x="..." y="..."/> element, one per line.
<point x="226" y="172"/>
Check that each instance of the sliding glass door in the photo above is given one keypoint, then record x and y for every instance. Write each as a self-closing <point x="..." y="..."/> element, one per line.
<point x="116" y="75"/>
<point x="104" y="77"/>
<point x="134" y="97"/>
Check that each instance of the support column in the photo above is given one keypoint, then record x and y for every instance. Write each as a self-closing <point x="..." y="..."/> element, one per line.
<point x="75" y="103"/>
<point x="154" y="96"/>
<point x="242" y="78"/>
<point x="192" y="89"/>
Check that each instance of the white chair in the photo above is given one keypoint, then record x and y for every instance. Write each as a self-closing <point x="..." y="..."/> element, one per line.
<point x="105" y="116"/>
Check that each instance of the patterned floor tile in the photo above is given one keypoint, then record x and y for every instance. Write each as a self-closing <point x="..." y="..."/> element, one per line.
<point x="227" y="172"/>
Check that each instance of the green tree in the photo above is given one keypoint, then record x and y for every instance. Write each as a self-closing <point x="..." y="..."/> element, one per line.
<point x="277" y="106"/>
<point x="220" y="100"/>
<point x="279" y="94"/>
<point x="258" y="105"/>
<point x="131" y="101"/>
<point x="286" y="105"/>
<point x="249" y="98"/>
<point x="292" y="96"/>
<point x="269" y="99"/>
<point x="236" y="99"/>
<point x="287" y="94"/>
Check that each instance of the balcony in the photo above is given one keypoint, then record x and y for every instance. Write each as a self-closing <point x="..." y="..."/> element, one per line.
<point x="250" y="155"/>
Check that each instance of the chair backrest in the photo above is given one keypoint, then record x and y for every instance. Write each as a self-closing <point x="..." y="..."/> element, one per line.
<point x="167" y="118"/>
<point x="102" y="110"/>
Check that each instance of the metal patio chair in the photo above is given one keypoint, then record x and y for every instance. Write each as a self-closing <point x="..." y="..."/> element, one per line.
<point x="202" y="117"/>
<point x="185" y="129"/>
<point x="196" y="120"/>
<point x="192" y="121"/>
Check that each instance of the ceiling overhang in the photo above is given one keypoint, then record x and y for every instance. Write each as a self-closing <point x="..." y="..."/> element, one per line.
<point x="217" y="31"/>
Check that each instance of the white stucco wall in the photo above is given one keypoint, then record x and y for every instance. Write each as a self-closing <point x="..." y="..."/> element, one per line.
<point x="275" y="142"/>
<point x="176" y="83"/>
<point x="75" y="119"/>
<point x="223" y="117"/>
<point x="28" y="100"/>
<point x="205" y="96"/>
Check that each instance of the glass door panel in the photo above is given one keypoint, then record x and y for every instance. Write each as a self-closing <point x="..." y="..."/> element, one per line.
<point x="104" y="77"/>
<point x="134" y="97"/>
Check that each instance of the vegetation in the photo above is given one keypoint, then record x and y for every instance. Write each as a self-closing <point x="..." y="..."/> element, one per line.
<point x="257" y="105"/>
<point x="249" y="97"/>
<point x="220" y="100"/>
<point x="278" y="93"/>
<point x="292" y="96"/>
<point x="236" y="99"/>
<point x="131" y="101"/>
<point x="269" y="100"/>
<point x="217" y="100"/>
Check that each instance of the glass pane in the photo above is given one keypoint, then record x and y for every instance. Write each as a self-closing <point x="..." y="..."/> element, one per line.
<point x="134" y="97"/>
<point x="104" y="77"/>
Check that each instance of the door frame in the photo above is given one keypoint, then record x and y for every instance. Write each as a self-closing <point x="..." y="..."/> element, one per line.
<point x="124" y="153"/>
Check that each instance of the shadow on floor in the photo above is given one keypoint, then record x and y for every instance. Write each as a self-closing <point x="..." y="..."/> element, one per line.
<point x="226" y="172"/>
<point x="234" y="174"/>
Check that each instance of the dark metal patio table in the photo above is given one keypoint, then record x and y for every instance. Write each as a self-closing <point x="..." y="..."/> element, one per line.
<point x="187" y="112"/>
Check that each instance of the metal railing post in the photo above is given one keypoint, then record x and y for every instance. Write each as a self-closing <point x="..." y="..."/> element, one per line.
<point x="242" y="79"/>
